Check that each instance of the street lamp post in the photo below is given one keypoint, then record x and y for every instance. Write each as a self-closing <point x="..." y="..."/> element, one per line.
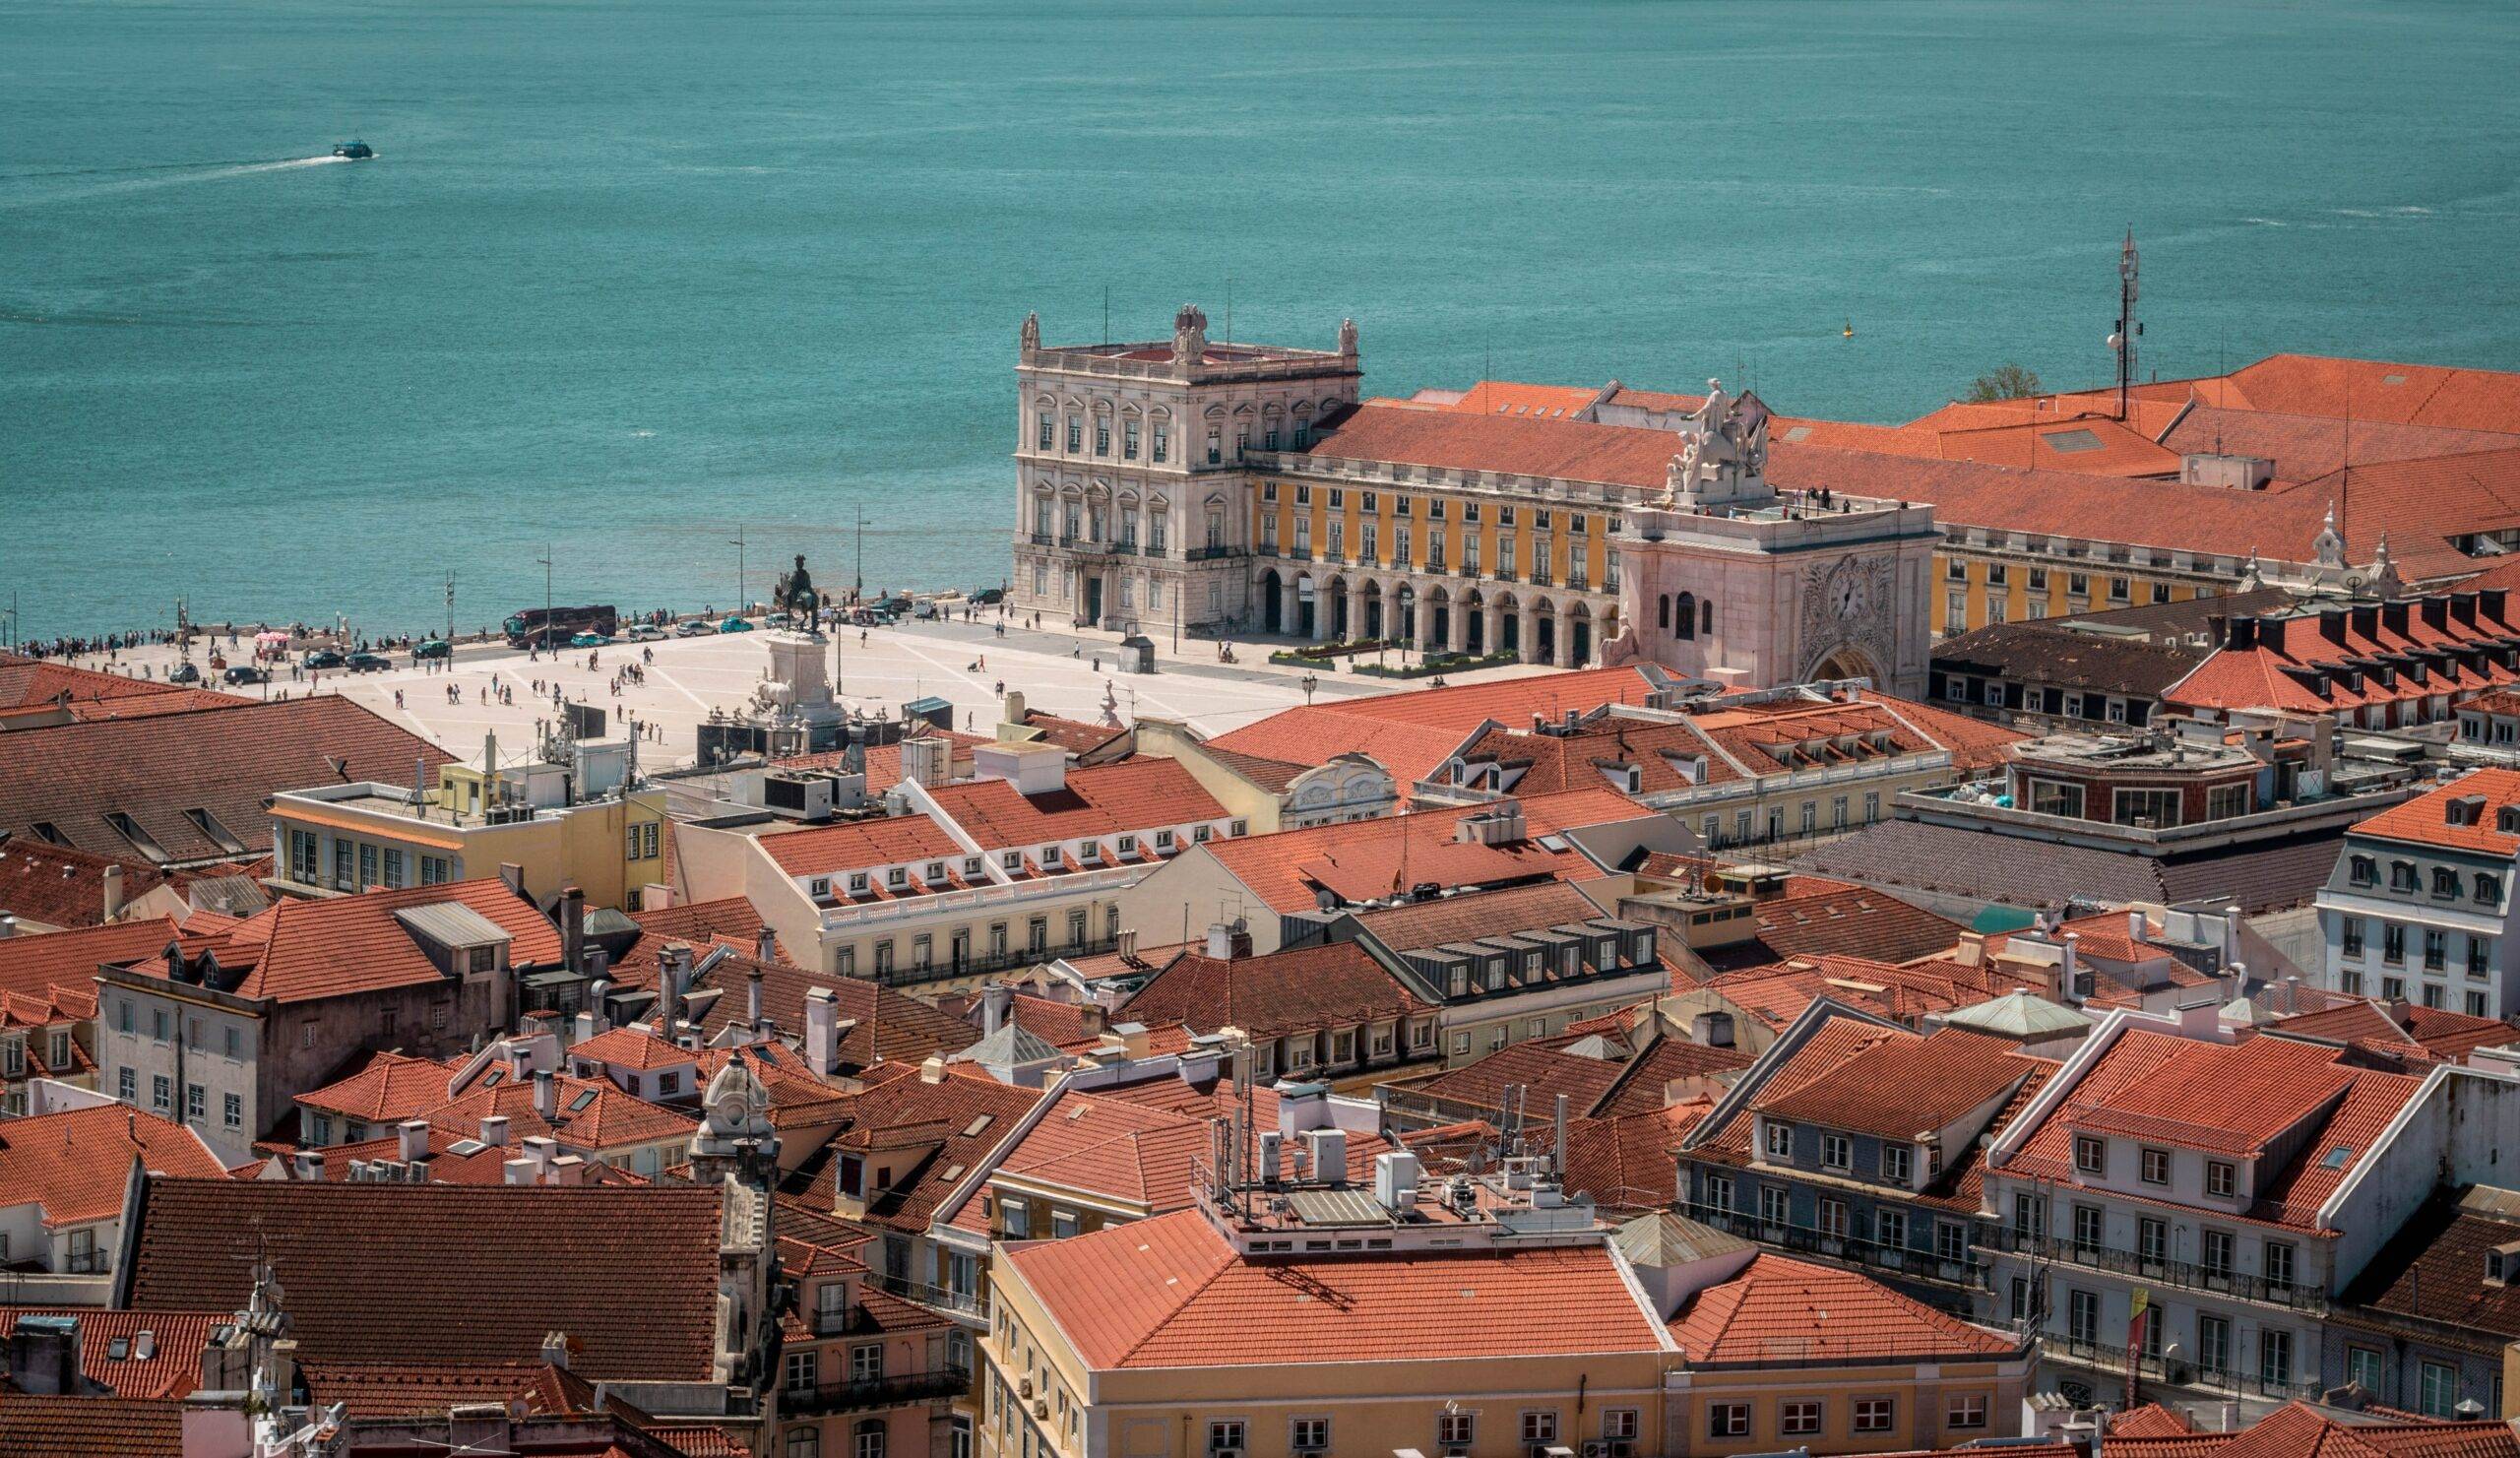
<point x="861" y="584"/>
<point x="737" y="542"/>
<point x="545" y="560"/>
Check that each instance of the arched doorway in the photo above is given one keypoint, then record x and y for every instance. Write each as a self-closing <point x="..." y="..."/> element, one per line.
<point x="1509" y="627"/>
<point x="1273" y="602"/>
<point x="1474" y="631"/>
<point x="1308" y="606"/>
<point x="1406" y="601"/>
<point x="1338" y="590"/>
<point x="1546" y="626"/>
<point x="1373" y="609"/>
<point x="1580" y="651"/>
<point x="1846" y="662"/>
<point x="1439" y="609"/>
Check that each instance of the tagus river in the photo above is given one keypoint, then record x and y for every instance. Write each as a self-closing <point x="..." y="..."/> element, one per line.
<point x="631" y="276"/>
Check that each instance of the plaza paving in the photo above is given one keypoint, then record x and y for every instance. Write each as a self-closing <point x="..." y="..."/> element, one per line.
<point x="878" y="670"/>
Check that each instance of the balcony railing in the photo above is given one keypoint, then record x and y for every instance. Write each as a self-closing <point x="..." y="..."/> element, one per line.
<point x="975" y="965"/>
<point x="2110" y="1357"/>
<point x="1967" y="1272"/>
<point x="875" y="1392"/>
<point x="2290" y="1295"/>
<point x="940" y="1298"/>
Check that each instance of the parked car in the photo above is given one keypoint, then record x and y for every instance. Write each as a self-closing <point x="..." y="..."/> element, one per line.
<point x="433" y="648"/>
<point x="588" y="640"/>
<point x="694" y="629"/>
<point x="321" y="658"/>
<point x="931" y="609"/>
<point x="183" y="673"/>
<point x="990" y="597"/>
<point x="734" y="625"/>
<point x="246" y="673"/>
<point x="645" y="633"/>
<point x="366" y="663"/>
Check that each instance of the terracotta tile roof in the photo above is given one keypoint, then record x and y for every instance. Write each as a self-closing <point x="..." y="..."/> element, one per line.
<point x="1625" y="1162"/>
<point x="1137" y="794"/>
<point x="1899" y="1088"/>
<point x="387" y="1087"/>
<point x="2152" y="1420"/>
<point x="2297" y="1430"/>
<point x="887" y="1025"/>
<point x="175" y="1339"/>
<point x="1779" y="1310"/>
<point x="2423" y="820"/>
<point x="857" y="844"/>
<point x="1147" y="1154"/>
<point x="2232" y="1101"/>
<point x="1410" y="734"/>
<point x="965" y="1116"/>
<point x="2307" y="446"/>
<point x="1858" y="922"/>
<point x="2411" y="1030"/>
<point x="72" y="1165"/>
<point x="470" y="1271"/>
<point x="1272" y="775"/>
<point x="1427" y="923"/>
<point x="224" y="762"/>
<point x="63" y="886"/>
<point x="38" y="965"/>
<point x="1366" y="859"/>
<point x="1542" y="1072"/>
<point x="303" y="951"/>
<point x="1779" y="992"/>
<point x="37" y="685"/>
<point x="1510" y="398"/>
<point x="2296" y="662"/>
<point x="91" y="1426"/>
<point x="403" y="1389"/>
<point x="2378" y="390"/>
<point x="1074" y="736"/>
<point x="1335" y="985"/>
<point x="1170" y="1293"/>
<point x="590" y="1114"/>
<point x="1646" y="1078"/>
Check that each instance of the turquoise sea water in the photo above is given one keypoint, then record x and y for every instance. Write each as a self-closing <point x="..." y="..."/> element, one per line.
<point x="627" y="274"/>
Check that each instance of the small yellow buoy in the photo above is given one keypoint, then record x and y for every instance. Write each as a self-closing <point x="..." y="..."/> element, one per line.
<point x="1849" y="328"/>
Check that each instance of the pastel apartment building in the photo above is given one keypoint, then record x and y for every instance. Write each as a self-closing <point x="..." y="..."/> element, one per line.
<point x="994" y="874"/>
<point x="2419" y="907"/>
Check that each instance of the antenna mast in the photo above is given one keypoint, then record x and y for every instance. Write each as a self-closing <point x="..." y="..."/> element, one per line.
<point x="2128" y="329"/>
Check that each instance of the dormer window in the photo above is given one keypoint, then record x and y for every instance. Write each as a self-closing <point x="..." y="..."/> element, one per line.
<point x="936" y="871"/>
<point x="1163" y="839"/>
<point x="898" y="877"/>
<point x="1050" y="855"/>
<point x="819" y="887"/>
<point x="1128" y="845"/>
<point x="971" y="867"/>
<point x="2221" y="1179"/>
<point x="1199" y="833"/>
<point x="1780" y="1141"/>
<point x="1091" y="852"/>
<point x="858" y="883"/>
<point x="1014" y="861"/>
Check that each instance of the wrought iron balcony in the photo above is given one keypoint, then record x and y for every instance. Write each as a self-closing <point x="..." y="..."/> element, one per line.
<point x="2111" y="1358"/>
<point x="2291" y="1296"/>
<point x="940" y="1298"/>
<point x="875" y="1392"/>
<point x="1968" y="1272"/>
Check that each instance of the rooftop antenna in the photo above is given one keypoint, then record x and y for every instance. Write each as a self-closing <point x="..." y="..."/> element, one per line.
<point x="1107" y="314"/>
<point x="2128" y="329"/>
<point x="1228" y="309"/>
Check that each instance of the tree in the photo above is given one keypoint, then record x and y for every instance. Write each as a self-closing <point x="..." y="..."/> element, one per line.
<point x="2008" y="382"/>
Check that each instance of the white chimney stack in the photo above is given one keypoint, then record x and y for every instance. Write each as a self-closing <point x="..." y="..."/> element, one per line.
<point x="996" y="1000"/>
<point x="1220" y="941"/>
<point x="547" y="1098"/>
<point x="415" y="1140"/>
<point x="822" y="1031"/>
<point x="113" y="893"/>
<point x="494" y="1130"/>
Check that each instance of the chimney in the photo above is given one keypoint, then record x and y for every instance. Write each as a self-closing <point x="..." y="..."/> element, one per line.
<point x="1302" y="1107"/>
<point x="765" y="947"/>
<point x="822" y="1031"/>
<point x="671" y="965"/>
<point x="2134" y="924"/>
<point x="2244" y="631"/>
<point x="752" y="997"/>
<point x="996" y="1000"/>
<point x="1220" y="941"/>
<point x="547" y="1098"/>
<point x="43" y="1355"/>
<point x="598" y="990"/>
<point x="1127" y="945"/>
<point x="415" y="1140"/>
<point x="514" y="875"/>
<point x="494" y="1130"/>
<point x="927" y="760"/>
<point x="555" y="1349"/>
<point x="517" y="1172"/>
<point x="573" y="928"/>
<point x="932" y="1070"/>
<point x="113" y="892"/>
<point x="1242" y="938"/>
<point x="2071" y="992"/>
<point x="1329" y="1155"/>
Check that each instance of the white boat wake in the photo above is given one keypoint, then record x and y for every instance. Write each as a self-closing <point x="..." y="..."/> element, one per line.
<point x="167" y="177"/>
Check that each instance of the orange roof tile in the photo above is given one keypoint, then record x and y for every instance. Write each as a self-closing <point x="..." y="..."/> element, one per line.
<point x="303" y="951"/>
<point x="1137" y="794"/>
<point x="1779" y="1310"/>
<point x="91" y="1426"/>
<point x="175" y="1339"/>
<point x="1172" y="1293"/>
<point x="2423" y="820"/>
<point x="72" y="1165"/>
<point x="858" y="845"/>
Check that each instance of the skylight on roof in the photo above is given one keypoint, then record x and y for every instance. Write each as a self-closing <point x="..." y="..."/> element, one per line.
<point x="973" y="1129"/>
<point x="577" y="1105"/>
<point x="2337" y="1157"/>
<point x="2071" y="442"/>
<point x="2392" y="379"/>
<point x="1797" y="432"/>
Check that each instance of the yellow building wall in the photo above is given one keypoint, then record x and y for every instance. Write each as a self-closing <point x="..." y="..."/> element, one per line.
<point x="1564" y="543"/>
<point x="2015" y="593"/>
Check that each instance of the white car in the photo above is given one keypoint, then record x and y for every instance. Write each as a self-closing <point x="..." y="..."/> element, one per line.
<point x="645" y="633"/>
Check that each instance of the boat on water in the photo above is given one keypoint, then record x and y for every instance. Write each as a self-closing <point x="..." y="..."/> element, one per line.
<point x="354" y="150"/>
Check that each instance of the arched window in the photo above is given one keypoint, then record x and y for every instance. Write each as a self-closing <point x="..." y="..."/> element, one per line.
<point x="1688" y="615"/>
<point x="1706" y="615"/>
<point x="867" y="1439"/>
<point x="1662" y="611"/>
